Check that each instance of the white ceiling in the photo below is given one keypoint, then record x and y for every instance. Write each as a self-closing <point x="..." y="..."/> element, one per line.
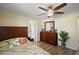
<point x="32" y="10"/>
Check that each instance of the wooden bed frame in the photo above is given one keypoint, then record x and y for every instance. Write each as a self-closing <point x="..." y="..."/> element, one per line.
<point x="7" y="32"/>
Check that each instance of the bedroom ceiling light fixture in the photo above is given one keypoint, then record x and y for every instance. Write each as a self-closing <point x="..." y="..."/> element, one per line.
<point x="50" y="10"/>
<point x="50" y="13"/>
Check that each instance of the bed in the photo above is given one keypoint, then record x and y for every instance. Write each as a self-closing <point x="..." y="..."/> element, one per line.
<point x="8" y="35"/>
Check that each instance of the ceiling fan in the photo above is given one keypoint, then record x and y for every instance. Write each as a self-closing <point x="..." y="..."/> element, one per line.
<point x="50" y="11"/>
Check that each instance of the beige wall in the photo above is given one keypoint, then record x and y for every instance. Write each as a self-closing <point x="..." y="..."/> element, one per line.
<point x="8" y="19"/>
<point x="39" y="23"/>
<point x="69" y="23"/>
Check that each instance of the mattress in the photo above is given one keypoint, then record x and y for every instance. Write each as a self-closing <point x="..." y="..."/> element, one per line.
<point x="22" y="49"/>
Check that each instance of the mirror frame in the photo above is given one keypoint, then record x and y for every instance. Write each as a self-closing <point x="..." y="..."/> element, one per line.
<point x="53" y="22"/>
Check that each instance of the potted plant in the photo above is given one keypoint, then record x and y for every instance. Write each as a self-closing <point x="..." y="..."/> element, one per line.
<point x="63" y="38"/>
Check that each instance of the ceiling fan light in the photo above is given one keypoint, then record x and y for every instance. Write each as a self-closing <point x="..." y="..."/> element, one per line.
<point x="49" y="14"/>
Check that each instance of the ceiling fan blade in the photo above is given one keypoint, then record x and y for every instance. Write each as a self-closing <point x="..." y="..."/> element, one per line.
<point x="43" y="8"/>
<point x="60" y="6"/>
<point x="41" y="14"/>
<point x="58" y="12"/>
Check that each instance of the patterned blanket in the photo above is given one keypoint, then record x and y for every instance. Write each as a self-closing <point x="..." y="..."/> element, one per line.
<point x="24" y="49"/>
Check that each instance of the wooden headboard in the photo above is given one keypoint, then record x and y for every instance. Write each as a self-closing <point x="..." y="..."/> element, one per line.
<point x="7" y="32"/>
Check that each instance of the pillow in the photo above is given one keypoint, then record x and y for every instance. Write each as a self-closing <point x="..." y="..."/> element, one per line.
<point x="22" y="41"/>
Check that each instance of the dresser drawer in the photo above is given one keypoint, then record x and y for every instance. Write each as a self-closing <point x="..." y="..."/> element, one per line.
<point x="49" y="37"/>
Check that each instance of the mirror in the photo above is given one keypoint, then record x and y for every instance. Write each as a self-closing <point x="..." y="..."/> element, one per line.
<point x="48" y="25"/>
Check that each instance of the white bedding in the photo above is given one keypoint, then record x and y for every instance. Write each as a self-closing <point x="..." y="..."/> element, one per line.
<point x="24" y="49"/>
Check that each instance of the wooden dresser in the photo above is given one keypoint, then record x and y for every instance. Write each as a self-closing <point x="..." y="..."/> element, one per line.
<point x="49" y="37"/>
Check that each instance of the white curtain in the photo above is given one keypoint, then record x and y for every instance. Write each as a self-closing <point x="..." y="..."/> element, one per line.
<point x="32" y="29"/>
